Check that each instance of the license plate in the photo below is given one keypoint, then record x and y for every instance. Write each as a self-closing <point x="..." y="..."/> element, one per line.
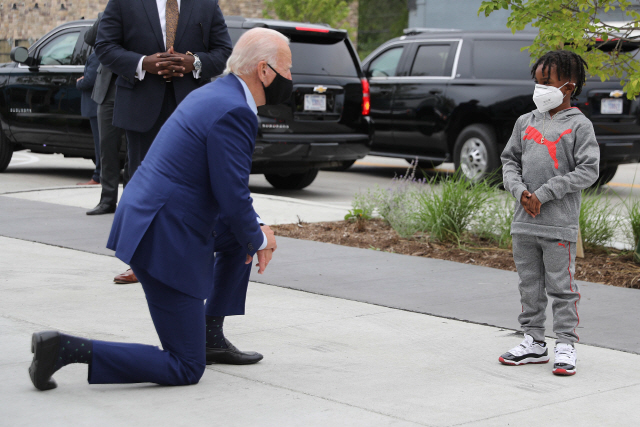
<point x="611" y="106"/>
<point x="315" y="103"/>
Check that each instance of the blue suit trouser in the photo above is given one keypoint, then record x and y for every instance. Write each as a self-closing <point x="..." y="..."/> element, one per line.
<point x="179" y="320"/>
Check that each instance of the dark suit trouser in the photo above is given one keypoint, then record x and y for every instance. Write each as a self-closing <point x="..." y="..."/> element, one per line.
<point x="138" y="143"/>
<point x="180" y="323"/>
<point x="110" y="142"/>
<point x="96" y="144"/>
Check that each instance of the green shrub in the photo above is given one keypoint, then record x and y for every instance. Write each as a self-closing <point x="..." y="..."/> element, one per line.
<point x="494" y="222"/>
<point x="446" y="213"/>
<point x="598" y="220"/>
<point x="633" y="221"/>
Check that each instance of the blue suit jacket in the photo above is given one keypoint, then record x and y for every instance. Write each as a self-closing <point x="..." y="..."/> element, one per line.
<point x="129" y="30"/>
<point x="195" y="174"/>
<point x="88" y="106"/>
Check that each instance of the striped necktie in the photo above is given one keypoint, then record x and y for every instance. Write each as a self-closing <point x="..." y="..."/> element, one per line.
<point x="171" y="18"/>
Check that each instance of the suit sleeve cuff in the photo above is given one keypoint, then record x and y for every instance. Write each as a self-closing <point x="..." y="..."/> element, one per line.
<point x="139" y="71"/>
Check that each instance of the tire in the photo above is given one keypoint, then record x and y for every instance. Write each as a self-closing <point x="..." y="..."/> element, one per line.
<point x="606" y="175"/>
<point x="475" y="154"/>
<point x="343" y="167"/>
<point x="294" y="181"/>
<point x="6" y="152"/>
<point x="425" y="164"/>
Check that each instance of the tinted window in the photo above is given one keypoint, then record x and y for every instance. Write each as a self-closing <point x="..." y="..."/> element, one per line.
<point x="386" y="64"/>
<point x="501" y="59"/>
<point x="432" y="60"/>
<point x="59" y="50"/>
<point x="311" y="56"/>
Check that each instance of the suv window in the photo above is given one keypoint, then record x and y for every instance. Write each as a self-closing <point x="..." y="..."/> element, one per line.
<point x="313" y="58"/>
<point x="59" y="50"/>
<point x="501" y="59"/>
<point x="386" y="64"/>
<point x="433" y="60"/>
<point x="312" y="55"/>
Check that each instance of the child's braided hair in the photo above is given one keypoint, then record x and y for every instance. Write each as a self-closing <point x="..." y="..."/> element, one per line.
<point x="569" y="65"/>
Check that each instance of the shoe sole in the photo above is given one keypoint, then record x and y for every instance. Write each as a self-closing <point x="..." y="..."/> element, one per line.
<point x="122" y="282"/>
<point x="527" y="361"/>
<point x="564" y="372"/>
<point x="35" y="346"/>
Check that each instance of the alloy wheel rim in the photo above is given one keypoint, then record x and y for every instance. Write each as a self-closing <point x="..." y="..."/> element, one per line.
<point x="474" y="159"/>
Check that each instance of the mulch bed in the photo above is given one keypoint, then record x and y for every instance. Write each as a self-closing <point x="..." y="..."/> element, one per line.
<point x="611" y="267"/>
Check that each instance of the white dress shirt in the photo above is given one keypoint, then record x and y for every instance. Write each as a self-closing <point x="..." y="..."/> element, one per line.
<point x="162" y="12"/>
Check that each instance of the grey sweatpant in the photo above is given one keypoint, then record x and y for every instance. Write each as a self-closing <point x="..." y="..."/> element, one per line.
<point x="546" y="267"/>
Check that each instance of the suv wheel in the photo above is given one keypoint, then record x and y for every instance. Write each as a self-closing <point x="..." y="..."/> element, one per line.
<point x="294" y="181"/>
<point x="475" y="153"/>
<point x="606" y="175"/>
<point x="6" y="151"/>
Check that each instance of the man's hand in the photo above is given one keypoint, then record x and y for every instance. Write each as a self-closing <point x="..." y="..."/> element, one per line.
<point x="173" y="64"/>
<point x="265" y="255"/>
<point x="79" y="78"/>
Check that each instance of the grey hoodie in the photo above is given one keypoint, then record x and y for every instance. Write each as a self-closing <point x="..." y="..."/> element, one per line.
<point x="556" y="170"/>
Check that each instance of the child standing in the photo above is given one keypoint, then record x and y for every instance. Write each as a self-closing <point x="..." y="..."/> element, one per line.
<point x="551" y="157"/>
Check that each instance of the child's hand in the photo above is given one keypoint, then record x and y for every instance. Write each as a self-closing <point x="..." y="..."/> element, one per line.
<point x="534" y="205"/>
<point x="524" y="201"/>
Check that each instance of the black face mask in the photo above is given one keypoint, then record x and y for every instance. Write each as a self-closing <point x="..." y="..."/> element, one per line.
<point x="278" y="91"/>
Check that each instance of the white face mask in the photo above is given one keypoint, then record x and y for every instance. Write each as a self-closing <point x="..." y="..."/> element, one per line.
<point x="547" y="97"/>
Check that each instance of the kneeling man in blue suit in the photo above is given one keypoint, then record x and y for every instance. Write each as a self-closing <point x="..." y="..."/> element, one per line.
<point x="187" y="227"/>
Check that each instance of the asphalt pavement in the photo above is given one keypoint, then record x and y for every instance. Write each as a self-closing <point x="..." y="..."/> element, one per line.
<point x="351" y="337"/>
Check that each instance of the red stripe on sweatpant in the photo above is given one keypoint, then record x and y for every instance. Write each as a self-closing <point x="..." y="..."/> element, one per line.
<point x="571" y="288"/>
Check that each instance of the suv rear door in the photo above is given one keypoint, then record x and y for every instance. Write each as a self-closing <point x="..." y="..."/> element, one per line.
<point x="420" y="107"/>
<point x="382" y="72"/>
<point x="43" y="97"/>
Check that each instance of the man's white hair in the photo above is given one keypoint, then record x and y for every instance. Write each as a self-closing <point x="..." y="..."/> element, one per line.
<point x="257" y="44"/>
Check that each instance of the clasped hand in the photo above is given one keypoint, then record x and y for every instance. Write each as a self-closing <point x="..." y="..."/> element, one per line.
<point x="530" y="203"/>
<point x="265" y="255"/>
<point x="168" y="64"/>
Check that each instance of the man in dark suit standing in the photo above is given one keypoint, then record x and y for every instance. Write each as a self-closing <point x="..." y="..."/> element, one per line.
<point x="111" y="137"/>
<point x="139" y="41"/>
<point x="187" y="226"/>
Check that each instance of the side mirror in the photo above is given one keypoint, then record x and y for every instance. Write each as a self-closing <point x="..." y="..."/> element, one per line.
<point x="20" y="55"/>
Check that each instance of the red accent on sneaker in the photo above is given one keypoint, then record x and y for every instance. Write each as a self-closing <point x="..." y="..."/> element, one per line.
<point x="563" y="372"/>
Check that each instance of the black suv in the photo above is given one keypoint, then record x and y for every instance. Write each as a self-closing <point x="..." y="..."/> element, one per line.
<point x="325" y="124"/>
<point x="440" y="95"/>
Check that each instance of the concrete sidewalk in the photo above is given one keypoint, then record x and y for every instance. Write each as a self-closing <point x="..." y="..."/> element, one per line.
<point x="355" y="349"/>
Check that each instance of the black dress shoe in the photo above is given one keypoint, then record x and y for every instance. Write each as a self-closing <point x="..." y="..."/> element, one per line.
<point x="44" y="346"/>
<point x="232" y="356"/>
<point x="102" y="209"/>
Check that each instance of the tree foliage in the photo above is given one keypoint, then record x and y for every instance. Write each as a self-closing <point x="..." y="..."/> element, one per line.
<point x="379" y="21"/>
<point x="586" y="27"/>
<point x="332" y="12"/>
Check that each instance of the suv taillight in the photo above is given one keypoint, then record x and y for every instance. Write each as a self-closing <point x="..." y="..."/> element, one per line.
<point x="366" y="98"/>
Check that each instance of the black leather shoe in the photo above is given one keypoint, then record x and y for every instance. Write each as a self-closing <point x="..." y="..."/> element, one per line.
<point x="102" y="209"/>
<point x="232" y="356"/>
<point x="44" y="346"/>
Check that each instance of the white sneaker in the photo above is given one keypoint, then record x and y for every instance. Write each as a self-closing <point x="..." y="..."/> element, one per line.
<point x="565" y="359"/>
<point x="528" y="351"/>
